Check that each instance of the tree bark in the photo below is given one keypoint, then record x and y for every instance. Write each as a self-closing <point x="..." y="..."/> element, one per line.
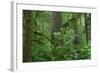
<point x="56" y="27"/>
<point x="74" y="22"/>
<point x="27" y="36"/>
<point x="76" y="41"/>
<point x="86" y="28"/>
<point x="89" y="26"/>
<point x="57" y="21"/>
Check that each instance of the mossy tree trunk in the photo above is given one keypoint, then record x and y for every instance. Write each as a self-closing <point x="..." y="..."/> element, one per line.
<point x="75" y="37"/>
<point x="75" y="18"/>
<point x="87" y="26"/>
<point x="27" y="36"/>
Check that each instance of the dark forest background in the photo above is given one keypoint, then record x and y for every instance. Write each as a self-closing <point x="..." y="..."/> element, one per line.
<point x="56" y="36"/>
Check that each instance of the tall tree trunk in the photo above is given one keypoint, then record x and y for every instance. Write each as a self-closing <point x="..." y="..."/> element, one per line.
<point x="89" y="25"/>
<point x="27" y="36"/>
<point x="75" y="18"/>
<point x="56" y="27"/>
<point x="75" y="40"/>
<point x="86" y="28"/>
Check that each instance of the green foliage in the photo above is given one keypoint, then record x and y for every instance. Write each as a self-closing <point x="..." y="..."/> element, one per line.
<point x="62" y="46"/>
<point x="85" y="51"/>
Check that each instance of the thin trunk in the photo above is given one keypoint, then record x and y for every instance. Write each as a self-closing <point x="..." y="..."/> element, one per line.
<point x="27" y="36"/>
<point x="74" y="20"/>
<point x="86" y="28"/>
<point x="89" y="26"/>
<point x="75" y="36"/>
